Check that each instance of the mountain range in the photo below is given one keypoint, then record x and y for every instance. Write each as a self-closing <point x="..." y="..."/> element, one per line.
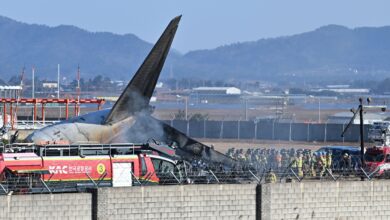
<point x="331" y="53"/>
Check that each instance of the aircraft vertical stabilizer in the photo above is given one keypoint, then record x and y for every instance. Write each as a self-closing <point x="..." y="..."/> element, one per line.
<point x="136" y="96"/>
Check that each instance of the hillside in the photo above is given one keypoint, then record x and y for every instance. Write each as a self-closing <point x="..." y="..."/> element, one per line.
<point x="328" y="53"/>
<point x="103" y="53"/>
<point x="331" y="53"/>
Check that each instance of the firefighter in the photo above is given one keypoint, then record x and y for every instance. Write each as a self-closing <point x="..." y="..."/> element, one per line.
<point x="240" y="155"/>
<point x="329" y="161"/>
<point x="322" y="164"/>
<point x="294" y="161"/>
<point x="306" y="162"/>
<point x="230" y="152"/>
<point x="264" y="162"/>
<point x="299" y="164"/>
<point x="346" y="164"/>
<point x="270" y="177"/>
<point x="285" y="159"/>
<point x="313" y="164"/>
<point x="278" y="159"/>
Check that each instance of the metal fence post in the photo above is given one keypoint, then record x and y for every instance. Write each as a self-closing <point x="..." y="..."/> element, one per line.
<point x="326" y="128"/>
<point x="273" y="129"/>
<point x="204" y="128"/>
<point x="221" y="131"/>
<point x="188" y="127"/>
<point x="255" y="130"/>
<point x="238" y="129"/>
<point x="308" y="132"/>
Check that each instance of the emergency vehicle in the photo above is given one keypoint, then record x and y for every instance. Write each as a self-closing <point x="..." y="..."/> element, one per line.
<point x="81" y="166"/>
<point x="377" y="158"/>
<point x="379" y="133"/>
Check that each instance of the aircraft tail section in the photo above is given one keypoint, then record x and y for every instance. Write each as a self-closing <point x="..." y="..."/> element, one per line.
<point x="136" y="96"/>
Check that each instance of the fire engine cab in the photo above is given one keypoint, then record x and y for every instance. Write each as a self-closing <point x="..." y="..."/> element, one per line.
<point x="377" y="158"/>
<point x="82" y="166"/>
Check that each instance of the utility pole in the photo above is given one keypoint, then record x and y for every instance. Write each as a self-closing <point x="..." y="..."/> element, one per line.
<point x="78" y="83"/>
<point x="186" y="102"/>
<point x="33" y="83"/>
<point x="246" y="109"/>
<point x="361" y="131"/>
<point x="361" y="110"/>
<point x="77" y="110"/>
<point x="58" y="81"/>
<point x="319" y="109"/>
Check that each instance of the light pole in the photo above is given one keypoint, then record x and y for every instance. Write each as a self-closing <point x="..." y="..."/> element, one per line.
<point x="319" y="109"/>
<point x="186" y="109"/>
<point x="246" y="109"/>
<point x="186" y="104"/>
<point x="319" y="106"/>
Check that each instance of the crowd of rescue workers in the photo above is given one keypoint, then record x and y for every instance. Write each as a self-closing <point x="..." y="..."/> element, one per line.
<point x="300" y="162"/>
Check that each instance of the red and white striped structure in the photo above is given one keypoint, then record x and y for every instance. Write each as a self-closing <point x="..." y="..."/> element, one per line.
<point x="42" y="102"/>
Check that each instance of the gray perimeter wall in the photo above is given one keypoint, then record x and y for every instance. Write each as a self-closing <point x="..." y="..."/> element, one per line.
<point x="178" y="202"/>
<point x="307" y="200"/>
<point x="46" y="206"/>
<point x="269" y="130"/>
<point x="327" y="200"/>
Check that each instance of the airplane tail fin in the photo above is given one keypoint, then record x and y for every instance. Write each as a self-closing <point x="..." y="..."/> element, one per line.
<point x="138" y="92"/>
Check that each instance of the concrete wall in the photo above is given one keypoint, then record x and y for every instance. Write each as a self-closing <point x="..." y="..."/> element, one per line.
<point x="327" y="200"/>
<point x="46" y="206"/>
<point x="178" y="202"/>
<point x="308" y="200"/>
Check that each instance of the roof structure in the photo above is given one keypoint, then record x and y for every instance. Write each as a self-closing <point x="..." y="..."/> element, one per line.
<point x="226" y="90"/>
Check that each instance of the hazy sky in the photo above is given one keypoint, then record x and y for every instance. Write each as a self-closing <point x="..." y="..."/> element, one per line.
<point x="205" y="24"/>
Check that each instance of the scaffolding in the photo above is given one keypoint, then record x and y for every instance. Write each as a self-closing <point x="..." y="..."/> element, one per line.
<point x="42" y="101"/>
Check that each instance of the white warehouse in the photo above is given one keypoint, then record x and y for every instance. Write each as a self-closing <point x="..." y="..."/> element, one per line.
<point x="216" y="94"/>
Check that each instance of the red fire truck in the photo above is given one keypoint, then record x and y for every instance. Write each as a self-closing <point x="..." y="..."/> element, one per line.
<point x="377" y="161"/>
<point x="70" y="166"/>
<point x="377" y="158"/>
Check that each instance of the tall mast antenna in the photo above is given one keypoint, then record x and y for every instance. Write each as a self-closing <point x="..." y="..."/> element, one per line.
<point x="33" y="83"/>
<point x="78" y="83"/>
<point x="58" y="81"/>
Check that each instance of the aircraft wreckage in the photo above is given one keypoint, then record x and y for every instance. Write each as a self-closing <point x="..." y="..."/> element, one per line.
<point x="130" y="120"/>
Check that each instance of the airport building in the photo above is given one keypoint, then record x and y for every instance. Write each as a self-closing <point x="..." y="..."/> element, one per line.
<point x="345" y="117"/>
<point x="215" y="94"/>
<point x="10" y="91"/>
